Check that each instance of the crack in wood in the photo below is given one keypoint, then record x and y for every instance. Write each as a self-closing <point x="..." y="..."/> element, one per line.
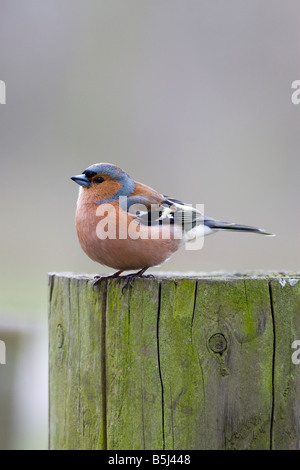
<point x="273" y="366"/>
<point x="51" y="279"/>
<point x="159" y="366"/>
<point x="198" y="357"/>
<point x="103" y="363"/>
<point x="194" y="307"/>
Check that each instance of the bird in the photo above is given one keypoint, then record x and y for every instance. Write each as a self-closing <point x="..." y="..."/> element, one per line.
<point x="129" y="226"/>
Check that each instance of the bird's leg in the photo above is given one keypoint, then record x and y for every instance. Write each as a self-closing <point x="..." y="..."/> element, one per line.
<point x="98" y="279"/>
<point x="131" y="277"/>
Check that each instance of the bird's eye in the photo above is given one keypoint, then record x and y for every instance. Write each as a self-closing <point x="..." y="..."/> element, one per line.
<point x="99" y="179"/>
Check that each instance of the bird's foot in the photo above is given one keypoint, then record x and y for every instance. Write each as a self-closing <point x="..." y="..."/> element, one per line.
<point x="131" y="277"/>
<point x="98" y="279"/>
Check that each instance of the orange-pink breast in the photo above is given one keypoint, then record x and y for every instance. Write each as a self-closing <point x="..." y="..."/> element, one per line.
<point x="117" y="253"/>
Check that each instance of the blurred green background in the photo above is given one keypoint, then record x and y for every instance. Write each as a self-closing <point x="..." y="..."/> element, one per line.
<point x="192" y="97"/>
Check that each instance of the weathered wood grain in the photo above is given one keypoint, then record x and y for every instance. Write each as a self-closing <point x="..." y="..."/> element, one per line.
<point x="216" y="347"/>
<point x="182" y="380"/>
<point x="134" y="409"/>
<point x="76" y="407"/>
<point x="285" y="294"/>
<point x="237" y="372"/>
<point x="180" y="363"/>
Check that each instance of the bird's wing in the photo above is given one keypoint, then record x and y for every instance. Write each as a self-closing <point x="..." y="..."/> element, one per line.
<point x="166" y="211"/>
<point x="184" y="214"/>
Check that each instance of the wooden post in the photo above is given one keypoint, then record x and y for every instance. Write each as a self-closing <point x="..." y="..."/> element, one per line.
<point x="202" y="362"/>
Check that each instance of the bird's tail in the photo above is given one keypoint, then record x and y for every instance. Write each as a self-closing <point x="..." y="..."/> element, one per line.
<point x="218" y="225"/>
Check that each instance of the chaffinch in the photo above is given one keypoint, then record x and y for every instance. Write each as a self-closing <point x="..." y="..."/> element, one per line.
<point x="127" y="225"/>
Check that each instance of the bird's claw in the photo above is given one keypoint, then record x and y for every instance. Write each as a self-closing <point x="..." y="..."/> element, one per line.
<point x="97" y="280"/>
<point x="131" y="277"/>
<point x="128" y="279"/>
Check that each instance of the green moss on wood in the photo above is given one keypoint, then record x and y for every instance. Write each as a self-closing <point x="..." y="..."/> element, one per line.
<point x="174" y="363"/>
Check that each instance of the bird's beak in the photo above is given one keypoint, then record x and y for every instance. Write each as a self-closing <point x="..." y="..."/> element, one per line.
<point x="81" y="179"/>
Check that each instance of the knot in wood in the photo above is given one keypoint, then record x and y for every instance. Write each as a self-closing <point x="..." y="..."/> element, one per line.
<point x="218" y="343"/>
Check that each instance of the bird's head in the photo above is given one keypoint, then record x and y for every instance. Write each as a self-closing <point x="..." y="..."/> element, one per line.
<point x="105" y="182"/>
